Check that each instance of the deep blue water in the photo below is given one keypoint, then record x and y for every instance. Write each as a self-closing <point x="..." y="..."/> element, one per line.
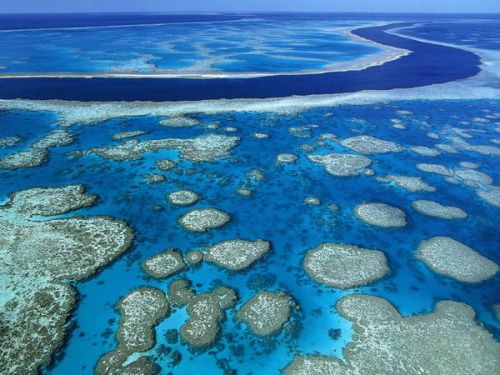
<point x="483" y="34"/>
<point x="427" y="64"/>
<point x="277" y="213"/>
<point x="39" y="21"/>
<point x="48" y="20"/>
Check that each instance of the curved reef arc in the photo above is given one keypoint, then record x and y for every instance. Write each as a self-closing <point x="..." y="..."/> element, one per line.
<point x="424" y="58"/>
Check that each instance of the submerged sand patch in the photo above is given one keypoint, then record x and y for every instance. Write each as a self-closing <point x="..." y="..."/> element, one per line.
<point x="447" y="341"/>
<point x="261" y="135"/>
<point x="345" y="266"/>
<point x="312" y="201"/>
<point x="244" y="192"/>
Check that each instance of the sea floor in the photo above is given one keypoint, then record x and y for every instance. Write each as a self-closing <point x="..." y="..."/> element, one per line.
<point x="275" y="211"/>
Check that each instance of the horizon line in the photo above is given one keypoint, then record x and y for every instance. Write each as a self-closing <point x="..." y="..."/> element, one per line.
<point x="241" y="12"/>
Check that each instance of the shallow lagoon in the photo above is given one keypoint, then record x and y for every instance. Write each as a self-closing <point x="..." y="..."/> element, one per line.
<point x="276" y="205"/>
<point x="240" y="46"/>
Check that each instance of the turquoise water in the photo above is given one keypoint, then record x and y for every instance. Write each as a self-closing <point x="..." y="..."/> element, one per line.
<point x="276" y="212"/>
<point x="245" y="46"/>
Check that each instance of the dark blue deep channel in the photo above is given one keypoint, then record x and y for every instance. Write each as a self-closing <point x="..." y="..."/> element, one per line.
<point x="427" y="64"/>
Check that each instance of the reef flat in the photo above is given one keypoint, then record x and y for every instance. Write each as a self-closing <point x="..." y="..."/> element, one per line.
<point x="366" y="144"/>
<point x="127" y="134"/>
<point x="203" y="219"/>
<point x="154" y="178"/>
<point x="286" y="158"/>
<point x="179" y="122"/>
<point x="380" y="214"/>
<point x="436" y="209"/>
<point x="435" y="168"/>
<point x="140" y="311"/>
<point x="236" y="255"/>
<point x="410" y="183"/>
<point x="165" y="164"/>
<point x="345" y="266"/>
<point x="467" y="174"/>
<point x="180" y="292"/>
<point x="183" y="198"/>
<point x="40" y="257"/>
<point x="164" y="264"/>
<point x="343" y="165"/>
<point x="293" y="206"/>
<point x="50" y="201"/>
<point x="194" y="257"/>
<point x="9" y="141"/>
<point x="425" y="151"/>
<point x="205" y="148"/>
<point x="411" y="343"/>
<point x="491" y="195"/>
<point x="266" y="312"/>
<point x="206" y="312"/>
<point x="38" y="152"/>
<point x="449" y="257"/>
<point x="459" y="175"/>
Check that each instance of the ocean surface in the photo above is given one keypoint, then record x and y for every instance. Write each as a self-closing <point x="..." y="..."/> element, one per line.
<point x="286" y="48"/>
<point x="197" y="47"/>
